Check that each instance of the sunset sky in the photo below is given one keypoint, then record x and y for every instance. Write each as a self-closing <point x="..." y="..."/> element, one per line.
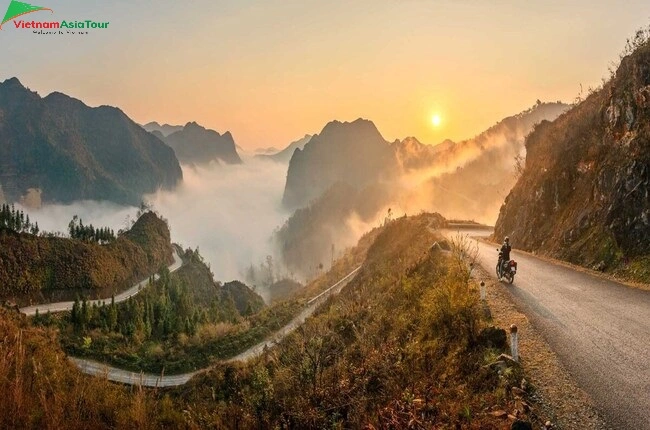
<point x="270" y="71"/>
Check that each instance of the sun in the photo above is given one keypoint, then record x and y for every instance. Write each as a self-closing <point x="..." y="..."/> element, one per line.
<point x="435" y="120"/>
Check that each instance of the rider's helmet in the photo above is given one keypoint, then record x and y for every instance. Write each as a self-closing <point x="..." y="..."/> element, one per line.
<point x="506" y="240"/>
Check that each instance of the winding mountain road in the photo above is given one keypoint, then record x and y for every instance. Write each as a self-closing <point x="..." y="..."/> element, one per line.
<point x="599" y="329"/>
<point x="114" y="374"/>
<point x="123" y="296"/>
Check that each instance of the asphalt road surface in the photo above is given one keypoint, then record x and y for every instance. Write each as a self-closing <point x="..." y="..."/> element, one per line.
<point x="599" y="329"/>
<point x="123" y="296"/>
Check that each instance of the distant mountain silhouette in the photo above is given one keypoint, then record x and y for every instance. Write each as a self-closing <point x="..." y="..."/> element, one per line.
<point x="471" y="178"/>
<point x="165" y="129"/>
<point x="197" y="145"/>
<point x="71" y="151"/>
<point x="271" y="150"/>
<point x="285" y="155"/>
<point x="412" y="154"/>
<point x="158" y="134"/>
<point x="350" y="152"/>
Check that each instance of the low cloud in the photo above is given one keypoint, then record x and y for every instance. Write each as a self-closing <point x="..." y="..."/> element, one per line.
<point x="228" y="212"/>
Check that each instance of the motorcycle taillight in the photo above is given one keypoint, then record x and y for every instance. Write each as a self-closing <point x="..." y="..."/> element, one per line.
<point x="513" y="263"/>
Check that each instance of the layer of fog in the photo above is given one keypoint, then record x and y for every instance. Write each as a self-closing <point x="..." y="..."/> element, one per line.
<point x="228" y="212"/>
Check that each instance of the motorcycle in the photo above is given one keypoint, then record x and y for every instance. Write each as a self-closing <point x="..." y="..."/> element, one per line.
<point x="507" y="269"/>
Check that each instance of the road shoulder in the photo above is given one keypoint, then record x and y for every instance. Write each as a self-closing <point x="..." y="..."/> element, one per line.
<point x="557" y="397"/>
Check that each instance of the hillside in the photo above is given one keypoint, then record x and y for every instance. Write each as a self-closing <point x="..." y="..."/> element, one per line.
<point x="70" y="151"/>
<point x="35" y="269"/>
<point x="197" y="145"/>
<point x="402" y="346"/>
<point x="285" y="155"/>
<point x="181" y="322"/>
<point x="350" y="152"/>
<point x="583" y="195"/>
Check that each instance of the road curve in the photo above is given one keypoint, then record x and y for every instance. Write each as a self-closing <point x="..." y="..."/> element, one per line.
<point x="114" y="374"/>
<point x="123" y="296"/>
<point x="599" y="329"/>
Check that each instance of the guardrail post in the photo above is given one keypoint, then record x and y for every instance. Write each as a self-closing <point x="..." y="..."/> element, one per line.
<point x="483" y="292"/>
<point x="514" y="342"/>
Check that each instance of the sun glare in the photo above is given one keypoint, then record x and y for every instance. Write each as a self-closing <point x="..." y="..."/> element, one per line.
<point x="435" y="120"/>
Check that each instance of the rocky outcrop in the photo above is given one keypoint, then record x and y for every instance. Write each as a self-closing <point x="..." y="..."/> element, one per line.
<point x="584" y="195"/>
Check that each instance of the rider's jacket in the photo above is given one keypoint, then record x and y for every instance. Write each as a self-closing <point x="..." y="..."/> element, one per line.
<point x="505" y="251"/>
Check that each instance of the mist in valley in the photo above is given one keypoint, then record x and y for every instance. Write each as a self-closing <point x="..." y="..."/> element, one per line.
<point x="228" y="212"/>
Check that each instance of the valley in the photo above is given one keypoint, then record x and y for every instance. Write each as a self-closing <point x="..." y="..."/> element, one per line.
<point x="288" y="216"/>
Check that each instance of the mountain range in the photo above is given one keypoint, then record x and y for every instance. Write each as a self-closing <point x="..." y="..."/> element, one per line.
<point x="285" y="155"/>
<point x="194" y="144"/>
<point x="164" y="130"/>
<point x="61" y="150"/>
<point x="466" y="179"/>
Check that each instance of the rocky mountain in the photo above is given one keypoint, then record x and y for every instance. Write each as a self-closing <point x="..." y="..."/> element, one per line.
<point x="350" y="152"/>
<point x="165" y="129"/>
<point x="68" y="151"/>
<point x="195" y="144"/>
<point x="583" y="195"/>
<point x="285" y="155"/>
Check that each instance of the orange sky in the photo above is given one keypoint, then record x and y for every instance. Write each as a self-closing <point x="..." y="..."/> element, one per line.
<point x="271" y="71"/>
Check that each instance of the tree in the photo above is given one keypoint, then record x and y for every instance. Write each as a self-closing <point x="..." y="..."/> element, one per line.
<point x="112" y="314"/>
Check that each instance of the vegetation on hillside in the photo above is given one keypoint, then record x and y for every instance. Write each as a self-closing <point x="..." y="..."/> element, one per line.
<point x="182" y="322"/>
<point x="88" y="233"/>
<point x="41" y="389"/>
<point x="16" y="220"/>
<point x="36" y="269"/>
<point x="402" y="346"/>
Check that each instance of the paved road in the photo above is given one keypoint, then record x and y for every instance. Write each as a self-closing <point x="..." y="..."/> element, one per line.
<point x="123" y="296"/>
<point x="599" y="329"/>
<point x="114" y="374"/>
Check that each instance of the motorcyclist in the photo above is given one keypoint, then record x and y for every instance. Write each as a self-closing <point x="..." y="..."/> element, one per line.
<point x="504" y="255"/>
